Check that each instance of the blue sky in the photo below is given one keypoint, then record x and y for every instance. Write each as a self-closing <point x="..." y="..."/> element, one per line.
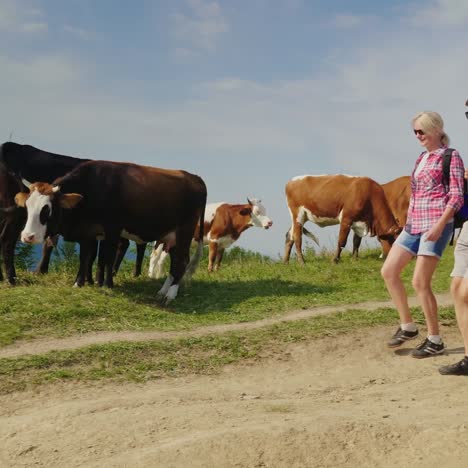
<point x="247" y="94"/>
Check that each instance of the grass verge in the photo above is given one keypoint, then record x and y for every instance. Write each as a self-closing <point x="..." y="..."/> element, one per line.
<point x="140" y="362"/>
<point x="248" y="287"/>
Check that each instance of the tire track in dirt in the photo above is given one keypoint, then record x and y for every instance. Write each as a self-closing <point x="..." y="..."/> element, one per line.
<point x="41" y="346"/>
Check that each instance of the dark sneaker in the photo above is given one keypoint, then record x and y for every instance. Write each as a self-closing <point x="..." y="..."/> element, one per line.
<point x="401" y="336"/>
<point x="427" y="349"/>
<point x="459" y="368"/>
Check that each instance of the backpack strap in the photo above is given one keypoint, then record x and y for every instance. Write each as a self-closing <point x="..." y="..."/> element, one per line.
<point x="446" y="160"/>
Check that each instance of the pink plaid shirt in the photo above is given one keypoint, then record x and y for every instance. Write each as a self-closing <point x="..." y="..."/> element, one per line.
<point x="429" y="196"/>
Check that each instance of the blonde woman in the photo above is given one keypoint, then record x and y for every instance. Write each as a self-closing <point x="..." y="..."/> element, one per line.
<point x="426" y="234"/>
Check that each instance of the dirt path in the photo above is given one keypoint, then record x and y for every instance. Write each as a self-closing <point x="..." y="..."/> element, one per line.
<point x="343" y="401"/>
<point x="41" y="346"/>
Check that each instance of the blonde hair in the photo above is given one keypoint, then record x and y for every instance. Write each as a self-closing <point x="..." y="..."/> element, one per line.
<point x="432" y="123"/>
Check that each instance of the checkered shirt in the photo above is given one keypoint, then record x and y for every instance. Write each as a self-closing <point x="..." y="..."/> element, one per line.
<point x="429" y="196"/>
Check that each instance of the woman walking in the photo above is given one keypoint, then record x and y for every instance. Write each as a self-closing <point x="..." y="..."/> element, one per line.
<point x="428" y="230"/>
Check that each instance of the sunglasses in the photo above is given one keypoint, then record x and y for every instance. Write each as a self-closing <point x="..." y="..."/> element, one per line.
<point x="419" y="132"/>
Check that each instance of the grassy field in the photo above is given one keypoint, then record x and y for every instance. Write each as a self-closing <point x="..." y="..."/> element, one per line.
<point x="249" y="287"/>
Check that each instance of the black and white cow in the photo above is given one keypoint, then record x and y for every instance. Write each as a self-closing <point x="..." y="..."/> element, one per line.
<point x="112" y="199"/>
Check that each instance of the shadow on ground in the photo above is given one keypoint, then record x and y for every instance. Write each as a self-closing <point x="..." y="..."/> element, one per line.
<point x="208" y="296"/>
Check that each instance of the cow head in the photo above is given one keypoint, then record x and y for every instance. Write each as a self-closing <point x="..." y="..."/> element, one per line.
<point x="258" y="215"/>
<point x="43" y="202"/>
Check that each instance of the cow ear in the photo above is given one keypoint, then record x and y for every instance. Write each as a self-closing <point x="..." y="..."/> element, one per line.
<point x="20" y="199"/>
<point x="246" y="211"/>
<point x="69" y="200"/>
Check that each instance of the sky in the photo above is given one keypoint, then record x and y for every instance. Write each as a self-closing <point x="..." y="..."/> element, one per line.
<point x="247" y="93"/>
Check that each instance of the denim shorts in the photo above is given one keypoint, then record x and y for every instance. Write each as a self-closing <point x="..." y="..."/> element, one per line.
<point x="460" y="266"/>
<point x="415" y="243"/>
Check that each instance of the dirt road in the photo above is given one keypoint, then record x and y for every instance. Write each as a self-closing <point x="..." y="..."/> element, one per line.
<point x="346" y="401"/>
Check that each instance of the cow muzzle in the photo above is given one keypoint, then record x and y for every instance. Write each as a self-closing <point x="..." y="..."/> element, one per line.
<point x="28" y="238"/>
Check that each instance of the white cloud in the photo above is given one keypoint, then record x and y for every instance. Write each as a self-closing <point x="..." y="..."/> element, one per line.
<point x="442" y="13"/>
<point x="199" y="31"/>
<point x="33" y="28"/>
<point x="20" y="18"/>
<point x="353" y="117"/>
<point x="77" y="32"/>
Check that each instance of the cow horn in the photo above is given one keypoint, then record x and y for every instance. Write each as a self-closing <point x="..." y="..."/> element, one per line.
<point x="249" y="202"/>
<point x="26" y="183"/>
<point x="56" y="188"/>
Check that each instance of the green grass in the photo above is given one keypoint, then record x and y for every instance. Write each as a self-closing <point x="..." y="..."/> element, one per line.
<point x="143" y="361"/>
<point x="248" y="287"/>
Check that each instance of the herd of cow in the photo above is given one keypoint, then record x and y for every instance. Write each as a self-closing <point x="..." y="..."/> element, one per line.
<point x="103" y="204"/>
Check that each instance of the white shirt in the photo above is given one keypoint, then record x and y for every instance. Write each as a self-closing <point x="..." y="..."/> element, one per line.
<point x="421" y="164"/>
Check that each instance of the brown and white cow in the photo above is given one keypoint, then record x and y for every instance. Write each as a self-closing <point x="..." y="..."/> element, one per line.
<point x="356" y="203"/>
<point x="398" y="194"/>
<point x="112" y="199"/>
<point x="224" y="223"/>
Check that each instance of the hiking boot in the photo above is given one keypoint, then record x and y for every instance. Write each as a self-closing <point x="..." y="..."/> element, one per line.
<point x="427" y="349"/>
<point x="401" y="336"/>
<point x="459" y="368"/>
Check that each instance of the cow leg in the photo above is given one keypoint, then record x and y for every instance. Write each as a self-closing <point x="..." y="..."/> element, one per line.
<point x="141" y="249"/>
<point x="119" y="256"/>
<point x="212" y="252"/>
<point x="43" y="265"/>
<point x="356" y="244"/>
<point x="386" y="246"/>
<point x="219" y="257"/>
<point x="180" y="257"/>
<point x="106" y="257"/>
<point x="100" y="264"/>
<point x="164" y="291"/>
<point x="86" y="248"/>
<point x="345" y="227"/>
<point x="288" y="245"/>
<point x="154" y="259"/>
<point x="158" y="255"/>
<point x="8" y="251"/>
<point x="297" y="235"/>
<point x="11" y="232"/>
<point x="110" y="249"/>
<point x="47" y="248"/>
<point x="93" y="249"/>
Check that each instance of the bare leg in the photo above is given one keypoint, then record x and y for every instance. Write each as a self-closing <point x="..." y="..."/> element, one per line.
<point x="394" y="264"/>
<point x="459" y="290"/>
<point x="422" y="277"/>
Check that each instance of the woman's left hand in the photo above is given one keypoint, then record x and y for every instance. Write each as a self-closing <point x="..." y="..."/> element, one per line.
<point x="434" y="233"/>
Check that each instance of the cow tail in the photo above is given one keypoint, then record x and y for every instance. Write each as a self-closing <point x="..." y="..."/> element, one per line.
<point x="310" y="235"/>
<point x="195" y="260"/>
